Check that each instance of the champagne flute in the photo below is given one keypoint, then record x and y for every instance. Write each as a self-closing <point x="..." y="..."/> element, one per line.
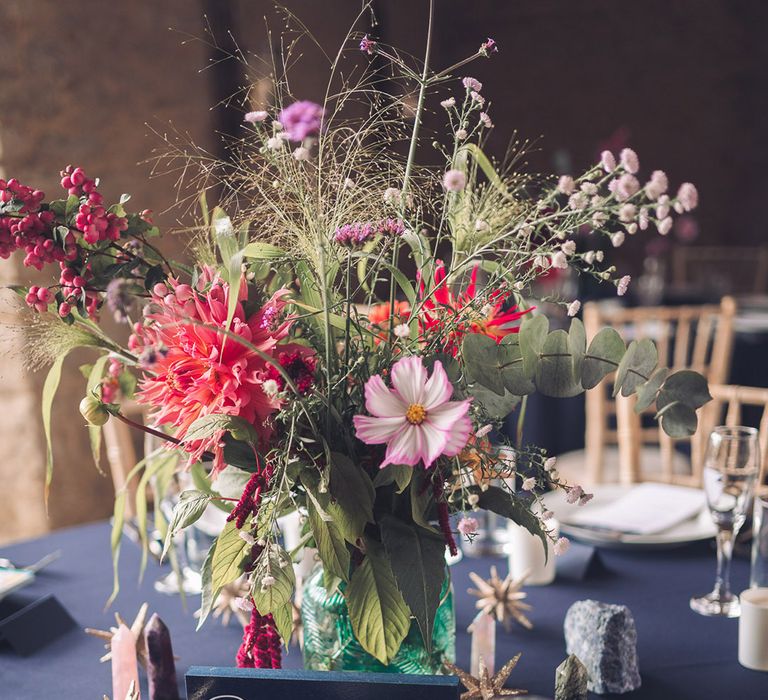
<point x="731" y="465"/>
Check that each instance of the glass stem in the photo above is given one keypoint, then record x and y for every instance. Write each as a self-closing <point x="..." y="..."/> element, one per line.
<point x="724" y="555"/>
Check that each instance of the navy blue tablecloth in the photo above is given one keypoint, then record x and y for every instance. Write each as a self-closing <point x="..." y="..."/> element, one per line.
<point x="682" y="655"/>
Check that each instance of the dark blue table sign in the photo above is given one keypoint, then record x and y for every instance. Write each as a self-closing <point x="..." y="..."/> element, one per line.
<point x="217" y="683"/>
<point x="27" y="625"/>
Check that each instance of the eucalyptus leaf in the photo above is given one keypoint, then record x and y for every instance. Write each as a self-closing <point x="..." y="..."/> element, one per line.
<point x="603" y="357"/>
<point x="646" y="393"/>
<point x="418" y="563"/>
<point x="378" y="613"/>
<point x="555" y="374"/>
<point x="495" y="406"/>
<point x="577" y="344"/>
<point x="636" y="366"/>
<point x="678" y="420"/>
<point x="686" y="386"/>
<point x="532" y="335"/>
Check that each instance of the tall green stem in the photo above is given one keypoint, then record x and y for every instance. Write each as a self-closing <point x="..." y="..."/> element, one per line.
<point x="411" y="159"/>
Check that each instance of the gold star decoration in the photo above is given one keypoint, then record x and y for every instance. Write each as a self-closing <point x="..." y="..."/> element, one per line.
<point x="503" y="600"/>
<point x="137" y="629"/>
<point x="485" y="686"/>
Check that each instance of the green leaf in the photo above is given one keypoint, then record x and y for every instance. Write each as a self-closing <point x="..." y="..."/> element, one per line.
<point x="207" y="597"/>
<point x="418" y="563"/>
<point x="94" y="431"/>
<point x="49" y="392"/>
<point x="229" y="557"/>
<point x="399" y="474"/>
<point x="208" y="426"/>
<point x="555" y="372"/>
<point x="577" y="344"/>
<point x="421" y="500"/>
<point x="189" y="509"/>
<point x="379" y="616"/>
<point x="353" y="494"/>
<point x="636" y="366"/>
<point x="677" y="420"/>
<point x="646" y="393"/>
<point x="330" y="543"/>
<point x="532" y="336"/>
<point x="404" y="283"/>
<point x="73" y="203"/>
<point x="283" y="618"/>
<point x="505" y="504"/>
<point x="495" y="406"/>
<point x="603" y="357"/>
<point x="118" y="519"/>
<point x="496" y="366"/>
<point x="686" y="386"/>
<point x="274" y="561"/>
<point x="263" y="251"/>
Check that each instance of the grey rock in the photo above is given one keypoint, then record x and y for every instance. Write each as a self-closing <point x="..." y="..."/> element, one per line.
<point x="604" y="638"/>
<point x="571" y="680"/>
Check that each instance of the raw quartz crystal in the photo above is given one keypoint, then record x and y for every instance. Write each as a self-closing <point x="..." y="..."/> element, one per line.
<point x="604" y="638"/>
<point x="571" y="680"/>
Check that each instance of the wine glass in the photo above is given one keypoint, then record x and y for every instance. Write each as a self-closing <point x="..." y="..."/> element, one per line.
<point x="731" y="465"/>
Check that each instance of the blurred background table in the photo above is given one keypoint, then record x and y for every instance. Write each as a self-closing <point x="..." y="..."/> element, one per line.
<point x="682" y="655"/>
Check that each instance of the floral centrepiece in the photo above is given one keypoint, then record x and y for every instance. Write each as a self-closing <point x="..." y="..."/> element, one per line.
<point x="346" y="342"/>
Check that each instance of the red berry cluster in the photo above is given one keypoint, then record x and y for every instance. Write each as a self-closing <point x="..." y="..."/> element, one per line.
<point x="73" y="287"/>
<point x="96" y="223"/>
<point x="299" y="366"/>
<point x="39" y="298"/>
<point x="250" y="500"/>
<point x="30" y="229"/>
<point x="261" y="643"/>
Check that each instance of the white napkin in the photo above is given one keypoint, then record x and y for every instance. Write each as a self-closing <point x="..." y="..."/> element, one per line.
<point x="645" y="509"/>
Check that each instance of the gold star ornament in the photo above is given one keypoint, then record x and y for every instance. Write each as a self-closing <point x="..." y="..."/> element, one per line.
<point x="502" y="600"/>
<point x="486" y="686"/>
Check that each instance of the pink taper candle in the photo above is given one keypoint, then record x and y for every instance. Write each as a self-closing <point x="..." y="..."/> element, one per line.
<point x="124" y="666"/>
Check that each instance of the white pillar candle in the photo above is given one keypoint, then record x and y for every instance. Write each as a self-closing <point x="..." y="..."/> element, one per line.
<point x="526" y="553"/>
<point x="753" y="629"/>
<point x="483" y="630"/>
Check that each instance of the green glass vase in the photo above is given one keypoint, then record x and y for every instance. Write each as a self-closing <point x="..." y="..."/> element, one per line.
<point x="330" y="644"/>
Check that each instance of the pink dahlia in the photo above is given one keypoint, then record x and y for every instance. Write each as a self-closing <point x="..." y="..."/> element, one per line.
<point x="194" y="370"/>
<point x="416" y="419"/>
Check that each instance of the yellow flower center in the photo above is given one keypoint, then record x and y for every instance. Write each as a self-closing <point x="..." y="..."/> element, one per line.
<point x="416" y="414"/>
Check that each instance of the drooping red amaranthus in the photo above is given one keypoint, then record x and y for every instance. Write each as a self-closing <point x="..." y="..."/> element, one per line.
<point x="261" y="643"/>
<point x="250" y="500"/>
<point x="443" y="515"/>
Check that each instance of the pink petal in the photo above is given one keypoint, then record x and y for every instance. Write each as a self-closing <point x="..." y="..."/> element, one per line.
<point x="434" y="443"/>
<point x="458" y="437"/>
<point x="377" y="431"/>
<point x="405" y="447"/>
<point x="409" y="377"/>
<point x="446" y="415"/>
<point x="382" y="402"/>
<point x="438" y="389"/>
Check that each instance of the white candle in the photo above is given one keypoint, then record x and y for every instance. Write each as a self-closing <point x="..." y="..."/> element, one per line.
<point x="483" y="630"/>
<point x="526" y="553"/>
<point x="753" y="629"/>
<point x="125" y="669"/>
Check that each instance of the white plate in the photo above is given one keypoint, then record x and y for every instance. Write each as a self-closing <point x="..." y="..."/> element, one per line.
<point x="698" y="528"/>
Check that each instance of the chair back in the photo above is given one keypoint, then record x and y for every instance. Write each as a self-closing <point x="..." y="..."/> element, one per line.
<point x="687" y="337"/>
<point x="742" y="269"/>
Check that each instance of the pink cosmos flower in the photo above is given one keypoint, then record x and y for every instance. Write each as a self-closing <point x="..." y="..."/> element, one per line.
<point x="416" y="419"/>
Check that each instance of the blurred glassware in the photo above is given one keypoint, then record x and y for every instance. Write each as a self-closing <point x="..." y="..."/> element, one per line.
<point x="759" y="571"/>
<point x="731" y="466"/>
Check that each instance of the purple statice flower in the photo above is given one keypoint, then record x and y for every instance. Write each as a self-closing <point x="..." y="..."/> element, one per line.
<point x="359" y="233"/>
<point x="367" y="45"/>
<point x="302" y="119"/>
<point x="488" y="47"/>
